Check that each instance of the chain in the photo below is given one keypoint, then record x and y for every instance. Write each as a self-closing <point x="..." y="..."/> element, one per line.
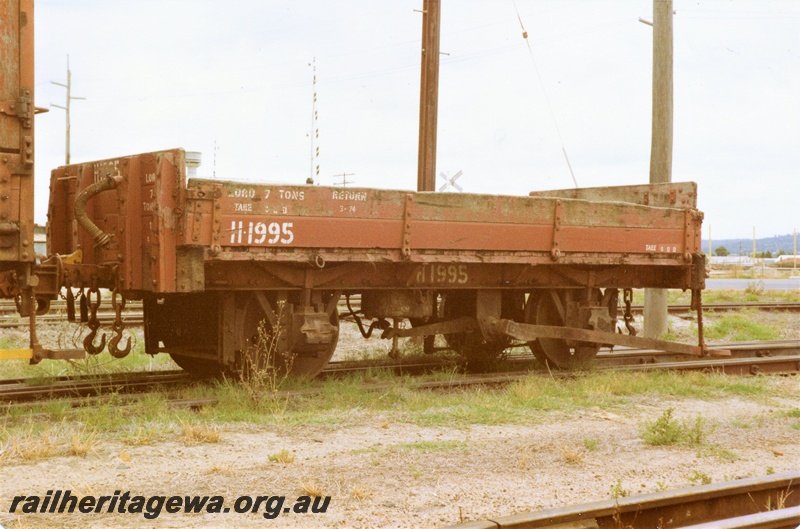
<point x="118" y="327"/>
<point x="93" y="323"/>
<point x="627" y="297"/>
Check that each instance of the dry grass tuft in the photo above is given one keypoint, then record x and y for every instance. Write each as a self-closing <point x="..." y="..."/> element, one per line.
<point x="142" y="437"/>
<point x="311" y="488"/>
<point x="571" y="455"/>
<point x="35" y="447"/>
<point x="361" y="493"/>
<point x="192" y="434"/>
<point x="82" y="443"/>
<point x="284" y="457"/>
<point x="223" y="470"/>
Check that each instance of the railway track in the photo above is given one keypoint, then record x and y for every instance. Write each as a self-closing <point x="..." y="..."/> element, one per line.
<point x="751" y="358"/>
<point x="763" y="502"/>
<point x="27" y="389"/>
<point x="80" y="386"/>
<point x="133" y="313"/>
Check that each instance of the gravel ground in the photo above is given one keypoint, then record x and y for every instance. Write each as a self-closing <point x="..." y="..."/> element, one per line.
<point x="381" y="473"/>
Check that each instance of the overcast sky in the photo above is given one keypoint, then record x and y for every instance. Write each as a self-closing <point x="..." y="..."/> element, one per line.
<point x="158" y="74"/>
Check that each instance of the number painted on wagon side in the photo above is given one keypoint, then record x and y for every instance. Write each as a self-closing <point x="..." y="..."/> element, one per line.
<point x="443" y="273"/>
<point x="261" y="232"/>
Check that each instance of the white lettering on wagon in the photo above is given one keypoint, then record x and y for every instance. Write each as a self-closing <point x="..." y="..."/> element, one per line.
<point x="261" y="232"/>
<point x="291" y="194"/>
<point x="661" y="248"/>
<point x="358" y="196"/>
<point x="242" y="192"/>
<point x="105" y="168"/>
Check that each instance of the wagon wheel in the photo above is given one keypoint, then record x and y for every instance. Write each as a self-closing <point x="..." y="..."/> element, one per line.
<point x="266" y="346"/>
<point x="550" y="308"/>
<point x="478" y="352"/>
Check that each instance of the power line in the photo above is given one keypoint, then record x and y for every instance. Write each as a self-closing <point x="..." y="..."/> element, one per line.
<point x="546" y="98"/>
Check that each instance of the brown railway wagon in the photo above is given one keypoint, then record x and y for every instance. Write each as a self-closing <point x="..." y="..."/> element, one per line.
<point x="233" y="272"/>
<point x="16" y="145"/>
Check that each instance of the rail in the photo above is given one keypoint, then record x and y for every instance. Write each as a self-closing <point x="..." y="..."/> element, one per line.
<point x="760" y="361"/>
<point x="133" y="316"/>
<point x="763" y="502"/>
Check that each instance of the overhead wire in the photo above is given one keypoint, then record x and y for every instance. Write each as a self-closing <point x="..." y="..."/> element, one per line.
<point x="544" y="91"/>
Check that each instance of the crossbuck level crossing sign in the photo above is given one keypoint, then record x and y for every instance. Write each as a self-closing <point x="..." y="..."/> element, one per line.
<point x="450" y="181"/>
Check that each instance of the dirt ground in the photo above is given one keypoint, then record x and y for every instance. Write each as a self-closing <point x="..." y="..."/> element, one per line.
<point x="374" y="481"/>
<point x="382" y="472"/>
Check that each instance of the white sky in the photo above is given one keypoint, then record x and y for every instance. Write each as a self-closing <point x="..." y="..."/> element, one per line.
<point x="159" y="74"/>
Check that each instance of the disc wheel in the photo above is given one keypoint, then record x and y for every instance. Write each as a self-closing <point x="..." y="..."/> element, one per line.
<point x="479" y="353"/>
<point x="549" y="308"/>
<point x="263" y="347"/>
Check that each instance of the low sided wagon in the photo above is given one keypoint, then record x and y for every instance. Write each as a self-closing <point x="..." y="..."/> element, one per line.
<point x="222" y="265"/>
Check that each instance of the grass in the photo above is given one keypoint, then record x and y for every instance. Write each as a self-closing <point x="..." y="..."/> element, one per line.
<point x="667" y="430"/>
<point x="618" y="491"/>
<point x="310" y="487"/>
<point x="50" y="426"/>
<point x="793" y="413"/>
<point x="699" y="478"/>
<point x="429" y="447"/>
<point x="81" y="443"/>
<point x="192" y="434"/>
<point x="572" y="456"/>
<point x="753" y="293"/>
<point x="739" y="328"/>
<point x="284" y="457"/>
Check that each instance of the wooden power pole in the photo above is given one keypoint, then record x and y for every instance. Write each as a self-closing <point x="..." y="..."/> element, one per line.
<point x="655" y="299"/>
<point x="429" y="96"/>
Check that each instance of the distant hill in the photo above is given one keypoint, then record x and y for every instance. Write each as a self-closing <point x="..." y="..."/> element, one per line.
<point x="771" y="244"/>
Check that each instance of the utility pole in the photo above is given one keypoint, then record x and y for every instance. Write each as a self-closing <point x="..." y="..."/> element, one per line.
<point x="429" y="96"/>
<point x="70" y="97"/>
<point x="655" y="299"/>
<point x="710" y="246"/>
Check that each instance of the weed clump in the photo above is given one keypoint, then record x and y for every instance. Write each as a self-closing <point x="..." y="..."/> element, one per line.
<point x="667" y="430"/>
